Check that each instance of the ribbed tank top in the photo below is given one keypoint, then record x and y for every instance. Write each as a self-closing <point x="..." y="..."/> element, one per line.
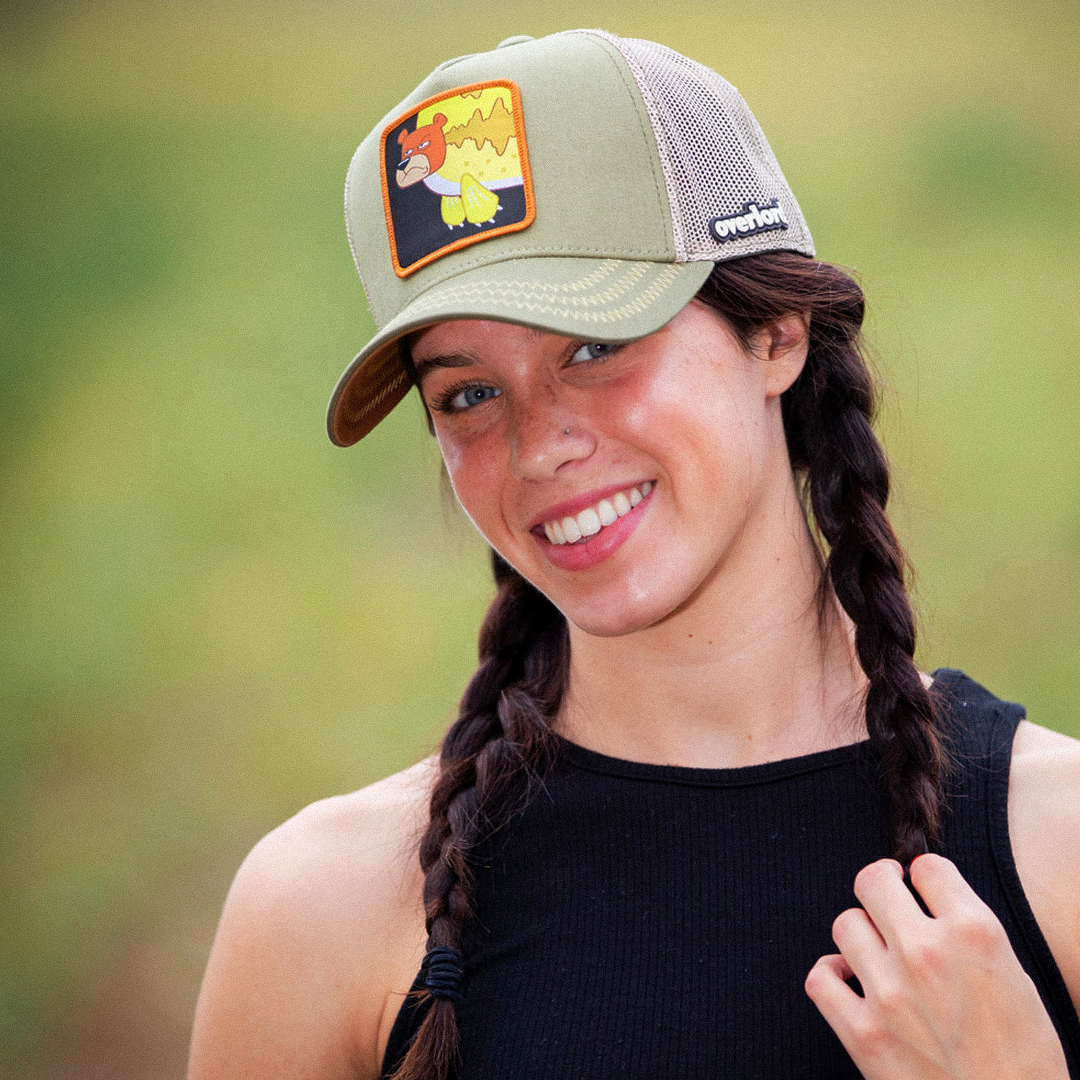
<point x="639" y="921"/>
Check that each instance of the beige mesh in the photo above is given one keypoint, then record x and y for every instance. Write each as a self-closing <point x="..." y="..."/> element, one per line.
<point x="715" y="157"/>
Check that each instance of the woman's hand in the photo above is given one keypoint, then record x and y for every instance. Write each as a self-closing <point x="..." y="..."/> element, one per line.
<point x="944" y="996"/>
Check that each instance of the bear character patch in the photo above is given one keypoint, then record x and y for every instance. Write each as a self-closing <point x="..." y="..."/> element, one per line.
<point x="455" y="171"/>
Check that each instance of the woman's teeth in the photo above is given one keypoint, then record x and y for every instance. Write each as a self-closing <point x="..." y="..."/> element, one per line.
<point x="588" y="522"/>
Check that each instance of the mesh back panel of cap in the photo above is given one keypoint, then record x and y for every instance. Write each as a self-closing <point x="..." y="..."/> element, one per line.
<point x="714" y="154"/>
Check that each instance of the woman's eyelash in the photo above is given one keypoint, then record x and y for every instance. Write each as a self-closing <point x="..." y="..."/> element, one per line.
<point x="441" y="402"/>
<point x="608" y="350"/>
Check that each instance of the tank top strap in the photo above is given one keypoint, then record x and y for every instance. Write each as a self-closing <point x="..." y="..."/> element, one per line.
<point x="980" y="728"/>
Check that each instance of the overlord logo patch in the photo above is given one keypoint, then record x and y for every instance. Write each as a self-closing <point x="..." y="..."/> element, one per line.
<point x="455" y="171"/>
<point x="754" y="218"/>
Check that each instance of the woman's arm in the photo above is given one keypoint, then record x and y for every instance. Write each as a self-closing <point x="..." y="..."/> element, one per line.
<point x="321" y="925"/>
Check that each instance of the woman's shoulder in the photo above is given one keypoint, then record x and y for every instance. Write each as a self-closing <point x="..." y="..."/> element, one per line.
<point x="1044" y="803"/>
<point x="323" y="922"/>
<point x="1044" y="823"/>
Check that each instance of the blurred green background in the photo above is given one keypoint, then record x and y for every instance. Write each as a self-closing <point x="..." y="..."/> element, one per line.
<point x="211" y="617"/>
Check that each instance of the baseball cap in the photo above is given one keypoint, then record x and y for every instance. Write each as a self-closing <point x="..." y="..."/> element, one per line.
<point x="580" y="183"/>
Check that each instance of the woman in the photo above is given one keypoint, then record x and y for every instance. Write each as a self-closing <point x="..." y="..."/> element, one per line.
<point x="694" y="732"/>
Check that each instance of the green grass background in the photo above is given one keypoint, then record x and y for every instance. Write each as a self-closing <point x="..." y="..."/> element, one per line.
<point x="211" y="617"/>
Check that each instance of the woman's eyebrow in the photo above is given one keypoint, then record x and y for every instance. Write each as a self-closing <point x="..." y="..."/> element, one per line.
<point x="444" y="360"/>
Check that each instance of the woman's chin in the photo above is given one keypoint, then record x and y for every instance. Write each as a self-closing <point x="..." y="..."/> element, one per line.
<point x="618" y="617"/>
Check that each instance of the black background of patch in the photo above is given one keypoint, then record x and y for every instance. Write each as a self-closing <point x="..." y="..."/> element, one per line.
<point x="416" y="211"/>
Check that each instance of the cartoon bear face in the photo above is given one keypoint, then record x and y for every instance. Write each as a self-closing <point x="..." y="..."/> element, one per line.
<point x="423" y="152"/>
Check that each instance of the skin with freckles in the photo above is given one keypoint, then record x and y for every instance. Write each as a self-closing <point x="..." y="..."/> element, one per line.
<point x="627" y="411"/>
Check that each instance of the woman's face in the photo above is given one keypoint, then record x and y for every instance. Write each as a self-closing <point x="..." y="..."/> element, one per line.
<point x="657" y="453"/>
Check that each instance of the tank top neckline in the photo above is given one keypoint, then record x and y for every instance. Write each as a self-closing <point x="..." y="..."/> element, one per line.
<point x="764" y="772"/>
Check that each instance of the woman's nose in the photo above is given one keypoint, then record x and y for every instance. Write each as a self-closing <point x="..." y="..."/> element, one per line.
<point x="546" y="436"/>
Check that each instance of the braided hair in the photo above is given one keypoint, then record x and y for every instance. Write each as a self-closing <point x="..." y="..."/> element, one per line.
<point x="492" y="756"/>
<point x="502" y="741"/>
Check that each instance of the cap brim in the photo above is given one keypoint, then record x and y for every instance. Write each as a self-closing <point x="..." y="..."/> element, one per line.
<point x="610" y="300"/>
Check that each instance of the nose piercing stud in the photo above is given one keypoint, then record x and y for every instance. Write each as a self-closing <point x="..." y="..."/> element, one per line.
<point x="566" y="432"/>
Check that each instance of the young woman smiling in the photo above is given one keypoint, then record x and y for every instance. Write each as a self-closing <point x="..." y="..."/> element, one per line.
<point x="697" y="735"/>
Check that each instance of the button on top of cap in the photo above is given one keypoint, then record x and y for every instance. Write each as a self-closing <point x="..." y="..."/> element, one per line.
<point x="515" y="39"/>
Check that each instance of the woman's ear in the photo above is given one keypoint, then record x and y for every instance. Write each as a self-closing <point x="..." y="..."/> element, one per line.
<point x="782" y="345"/>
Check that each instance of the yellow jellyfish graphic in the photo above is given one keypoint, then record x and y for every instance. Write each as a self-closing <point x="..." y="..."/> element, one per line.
<point x="481" y="154"/>
<point x="480" y="204"/>
<point x="453" y="209"/>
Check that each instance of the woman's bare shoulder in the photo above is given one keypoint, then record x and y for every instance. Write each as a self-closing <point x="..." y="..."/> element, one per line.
<point x="321" y="921"/>
<point x="1044" y="824"/>
<point x="1044" y="790"/>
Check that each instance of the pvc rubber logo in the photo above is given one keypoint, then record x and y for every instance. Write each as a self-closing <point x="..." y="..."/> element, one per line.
<point x="754" y="218"/>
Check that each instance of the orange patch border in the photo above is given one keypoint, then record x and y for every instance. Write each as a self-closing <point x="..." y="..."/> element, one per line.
<point x="464" y="241"/>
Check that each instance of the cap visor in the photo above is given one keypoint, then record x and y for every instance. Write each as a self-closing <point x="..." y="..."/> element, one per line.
<point x="610" y="300"/>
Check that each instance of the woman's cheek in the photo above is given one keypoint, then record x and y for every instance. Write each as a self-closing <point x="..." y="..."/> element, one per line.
<point x="473" y="470"/>
<point x="451" y="456"/>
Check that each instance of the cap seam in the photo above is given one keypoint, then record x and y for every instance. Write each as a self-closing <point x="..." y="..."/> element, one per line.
<point x="659" y="133"/>
<point x="349" y="235"/>
<point x="524" y="297"/>
<point x="633" y="90"/>
<point x="647" y="255"/>
<point x="406" y="329"/>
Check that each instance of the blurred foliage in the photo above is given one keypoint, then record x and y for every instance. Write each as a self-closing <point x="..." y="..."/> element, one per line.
<point x="213" y="617"/>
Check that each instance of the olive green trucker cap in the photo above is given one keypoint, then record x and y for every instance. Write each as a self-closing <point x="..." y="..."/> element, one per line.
<point x="579" y="183"/>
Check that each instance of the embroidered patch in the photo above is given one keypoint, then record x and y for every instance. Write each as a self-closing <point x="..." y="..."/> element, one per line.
<point x="752" y="219"/>
<point x="455" y="171"/>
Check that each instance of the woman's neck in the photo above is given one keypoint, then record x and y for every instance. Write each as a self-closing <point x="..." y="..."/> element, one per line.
<point x="745" y="671"/>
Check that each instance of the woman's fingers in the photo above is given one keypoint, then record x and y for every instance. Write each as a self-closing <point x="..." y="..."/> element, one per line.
<point x="826" y="986"/>
<point x="958" y="910"/>
<point x="880" y="889"/>
<point x="943" y="888"/>
<point x="859" y="942"/>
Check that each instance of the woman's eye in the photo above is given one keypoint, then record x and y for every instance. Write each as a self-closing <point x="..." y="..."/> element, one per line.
<point x="473" y="395"/>
<point x="591" y="350"/>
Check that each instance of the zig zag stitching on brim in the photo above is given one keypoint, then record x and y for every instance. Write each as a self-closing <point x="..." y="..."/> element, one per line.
<point x="520" y="295"/>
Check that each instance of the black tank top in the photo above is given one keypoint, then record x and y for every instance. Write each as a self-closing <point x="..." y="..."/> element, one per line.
<point x="639" y="921"/>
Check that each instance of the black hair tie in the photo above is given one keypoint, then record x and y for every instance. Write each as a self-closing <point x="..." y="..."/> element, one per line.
<point x="443" y="972"/>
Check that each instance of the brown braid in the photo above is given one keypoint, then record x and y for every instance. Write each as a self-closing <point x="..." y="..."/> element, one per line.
<point x="502" y="741"/>
<point x="828" y="414"/>
<point x="499" y="744"/>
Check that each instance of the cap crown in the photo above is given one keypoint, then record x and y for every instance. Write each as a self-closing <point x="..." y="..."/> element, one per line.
<point x="633" y="149"/>
<point x="715" y="157"/>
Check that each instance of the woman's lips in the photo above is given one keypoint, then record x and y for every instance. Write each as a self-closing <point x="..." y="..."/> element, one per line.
<point x="600" y="546"/>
